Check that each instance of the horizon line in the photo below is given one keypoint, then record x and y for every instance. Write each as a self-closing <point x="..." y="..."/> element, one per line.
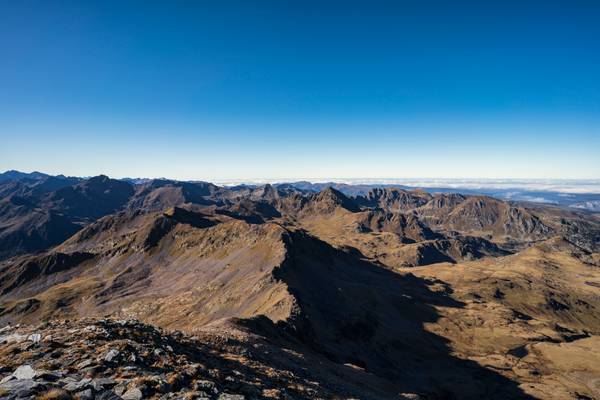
<point x="558" y="185"/>
<point x="313" y="179"/>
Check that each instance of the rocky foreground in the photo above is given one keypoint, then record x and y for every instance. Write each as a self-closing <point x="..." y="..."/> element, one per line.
<point x="125" y="359"/>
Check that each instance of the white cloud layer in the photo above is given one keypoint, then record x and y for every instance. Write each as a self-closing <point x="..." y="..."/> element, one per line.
<point x="543" y="185"/>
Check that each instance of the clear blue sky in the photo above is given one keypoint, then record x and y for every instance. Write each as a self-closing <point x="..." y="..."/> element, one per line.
<point x="290" y="89"/>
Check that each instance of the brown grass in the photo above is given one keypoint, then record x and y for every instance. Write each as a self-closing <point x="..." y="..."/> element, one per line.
<point x="55" y="394"/>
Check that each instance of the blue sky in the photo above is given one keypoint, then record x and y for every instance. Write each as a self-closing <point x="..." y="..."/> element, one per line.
<point x="301" y="89"/>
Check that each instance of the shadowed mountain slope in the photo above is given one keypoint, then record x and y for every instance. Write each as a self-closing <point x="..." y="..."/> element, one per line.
<point x="32" y="219"/>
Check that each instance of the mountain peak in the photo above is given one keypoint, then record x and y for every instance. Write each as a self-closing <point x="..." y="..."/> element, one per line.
<point x="12" y="174"/>
<point x="330" y="198"/>
<point x="99" y="179"/>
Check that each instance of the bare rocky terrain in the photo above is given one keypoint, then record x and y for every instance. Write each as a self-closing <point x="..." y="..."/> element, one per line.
<point x="165" y="289"/>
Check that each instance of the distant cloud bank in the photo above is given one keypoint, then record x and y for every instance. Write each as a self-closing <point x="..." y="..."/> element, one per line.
<point x="565" y="186"/>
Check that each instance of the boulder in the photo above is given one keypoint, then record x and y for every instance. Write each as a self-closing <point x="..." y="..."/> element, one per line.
<point x="24" y="372"/>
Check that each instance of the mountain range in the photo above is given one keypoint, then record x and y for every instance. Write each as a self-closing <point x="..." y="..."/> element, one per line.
<point x="339" y="291"/>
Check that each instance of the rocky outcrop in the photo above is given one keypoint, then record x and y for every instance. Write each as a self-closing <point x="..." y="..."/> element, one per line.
<point x="328" y="201"/>
<point x="484" y="215"/>
<point x="394" y="200"/>
<point x="129" y="360"/>
<point x="407" y="226"/>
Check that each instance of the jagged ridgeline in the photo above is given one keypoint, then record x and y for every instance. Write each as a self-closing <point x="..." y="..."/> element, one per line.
<point x="285" y="292"/>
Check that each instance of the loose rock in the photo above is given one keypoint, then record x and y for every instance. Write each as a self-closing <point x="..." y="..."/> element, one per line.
<point x="24" y="372"/>
<point x="111" y="355"/>
<point x="133" y="394"/>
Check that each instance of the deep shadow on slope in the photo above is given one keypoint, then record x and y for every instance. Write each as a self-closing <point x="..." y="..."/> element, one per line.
<point x="355" y="312"/>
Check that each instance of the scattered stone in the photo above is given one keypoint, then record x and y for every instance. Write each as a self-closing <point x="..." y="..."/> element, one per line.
<point x="68" y="379"/>
<point x="159" y="384"/>
<point x="205" y="385"/>
<point x="85" y="395"/>
<point x="133" y="394"/>
<point x="87" y="365"/>
<point x="6" y="328"/>
<point x="24" y="372"/>
<point x="77" y="386"/>
<point x="102" y="383"/>
<point x="120" y="388"/>
<point x="84" y="364"/>
<point x="20" y="387"/>
<point x="111" y="355"/>
<point x="227" y="396"/>
<point x="34" y="337"/>
<point x="410" y="396"/>
<point x="13" y="338"/>
<point x="107" y="395"/>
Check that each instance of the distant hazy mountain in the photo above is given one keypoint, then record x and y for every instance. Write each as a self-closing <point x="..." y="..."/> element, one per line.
<point x="17" y="175"/>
